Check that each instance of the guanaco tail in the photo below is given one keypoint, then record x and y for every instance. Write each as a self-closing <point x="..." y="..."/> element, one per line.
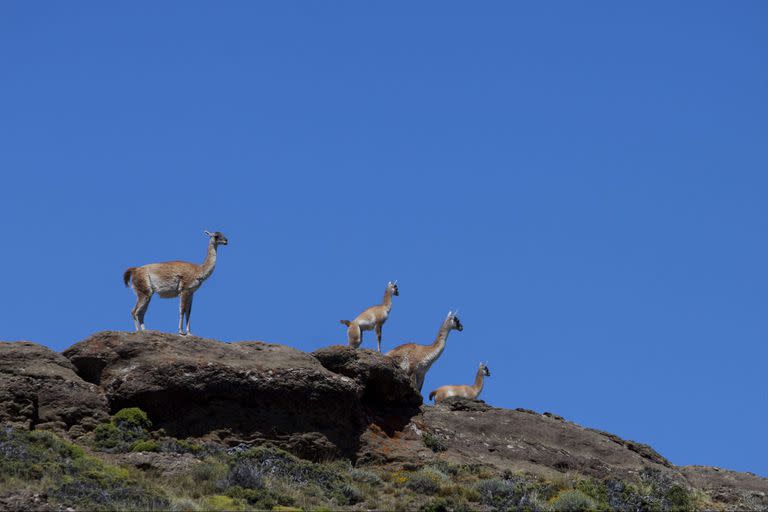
<point x="172" y="279"/>
<point x="372" y="318"/>
<point x="416" y="360"/>
<point x="471" y="392"/>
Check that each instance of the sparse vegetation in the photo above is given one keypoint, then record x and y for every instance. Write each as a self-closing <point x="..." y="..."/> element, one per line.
<point x="433" y="442"/>
<point x="267" y="478"/>
<point x="42" y="462"/>
<point x="573" y="501"/>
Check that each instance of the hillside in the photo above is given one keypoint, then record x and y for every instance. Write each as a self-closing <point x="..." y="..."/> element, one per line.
<point x="152" y="420"/>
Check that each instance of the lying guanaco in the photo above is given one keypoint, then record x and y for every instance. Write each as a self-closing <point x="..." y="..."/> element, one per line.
<point x="471" y="392"/>
<point x="416" y="360"/>
<point x="172" y="279"/>
<point x="372" y="318"/>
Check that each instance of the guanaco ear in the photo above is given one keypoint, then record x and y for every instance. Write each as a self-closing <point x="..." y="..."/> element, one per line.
<point x="208" y="233"/>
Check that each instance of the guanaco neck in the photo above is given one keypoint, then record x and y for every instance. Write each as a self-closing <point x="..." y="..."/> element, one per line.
<point x="478" y="386"/>
<point x="387" y="303"/>
<point x="439" y="344"/>
<point x="206" y="269"/>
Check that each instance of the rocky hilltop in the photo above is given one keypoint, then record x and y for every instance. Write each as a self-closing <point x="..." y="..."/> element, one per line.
<point x="336" y="404"/>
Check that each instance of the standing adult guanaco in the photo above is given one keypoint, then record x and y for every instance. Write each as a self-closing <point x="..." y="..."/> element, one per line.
<point x="172" y="279"/>
<point x="416" y="360"/>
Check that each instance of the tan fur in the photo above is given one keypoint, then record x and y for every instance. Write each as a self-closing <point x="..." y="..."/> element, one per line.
<point x="465" y="391"/>
<point x="416" y="360"/>
<point x="172" y="279"/>
<point x="372" y="318"/>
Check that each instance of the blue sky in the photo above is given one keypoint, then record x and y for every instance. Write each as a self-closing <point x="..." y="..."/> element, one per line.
<point x="586" y="181"/>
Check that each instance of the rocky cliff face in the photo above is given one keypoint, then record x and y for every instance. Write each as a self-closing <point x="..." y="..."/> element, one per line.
<point x="39" y="388"/>
<point x="229" y="392"/>
<point x="334" y="403"/>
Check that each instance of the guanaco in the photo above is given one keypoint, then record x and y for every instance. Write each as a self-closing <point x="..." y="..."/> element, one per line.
<point x="471" y="392"/>
<point x="172" y="279"/>
<point x="372" y="318"/>
<point x="416" y="360"/>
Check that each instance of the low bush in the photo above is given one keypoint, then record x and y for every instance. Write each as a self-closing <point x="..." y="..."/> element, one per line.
<point x="222" y="503"/>
<point x="366" y="477"/>
<point x="126" y="427"/>
<point x="145" y="446"/>
<point x="498" y="493"/>
<point x="433" y="442"/>
<point x="573" y="501"/>
<point x="132" y="418"/>
<point x="679" y="499"/>
<point x="423" y="483"/>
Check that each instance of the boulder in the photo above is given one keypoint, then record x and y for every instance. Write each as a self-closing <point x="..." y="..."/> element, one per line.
<point x="233" y="392"/>
<point x="39" y="388"/>
<point x="381" y="381"/>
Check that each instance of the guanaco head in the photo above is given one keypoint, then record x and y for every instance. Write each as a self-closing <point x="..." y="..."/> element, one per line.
<point x="392" y="288"/>
<point x="217" y="237"/>
<point x="455" y="323"/>
<point x="485" y="370"/>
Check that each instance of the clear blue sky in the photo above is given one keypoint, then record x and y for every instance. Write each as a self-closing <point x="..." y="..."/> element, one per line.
<point x="586" y="181"/>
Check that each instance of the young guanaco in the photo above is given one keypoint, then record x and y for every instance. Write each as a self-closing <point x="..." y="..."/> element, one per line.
<point x="172" y="279"/>
<point x="471" y="392"/>
<point x="372" y="318"/>
<point x="416" y="360"/>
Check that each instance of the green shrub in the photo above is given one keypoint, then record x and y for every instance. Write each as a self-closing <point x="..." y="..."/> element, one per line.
<point x="132" y="417"/>
<point x="268" y="467"/>
<point x="595" y="489"/>
<point x="352" y="494"/>
<point x="260" y="499"/>
<point x="126" y="428"/>
<point x="436" y="505"/>
<point x="107" y="437"/>
<point x="422" y="483"/>
<point x="171" y="445"/>
<point x="573" y="501"/>
<point x="679" y="499"/>
<point x="498" y="493"/>
<point x="366" y="477"/>
<point x="433" y="442"/>
<point x="145" y="446"/>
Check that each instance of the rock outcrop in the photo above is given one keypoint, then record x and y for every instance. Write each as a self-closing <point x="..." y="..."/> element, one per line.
<point x="382" y="383"/>
<point x="335" y="402"/>
<point x="519" y="440"/>
<point x="39" y="388"/>
<point x="245" y="391"/>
